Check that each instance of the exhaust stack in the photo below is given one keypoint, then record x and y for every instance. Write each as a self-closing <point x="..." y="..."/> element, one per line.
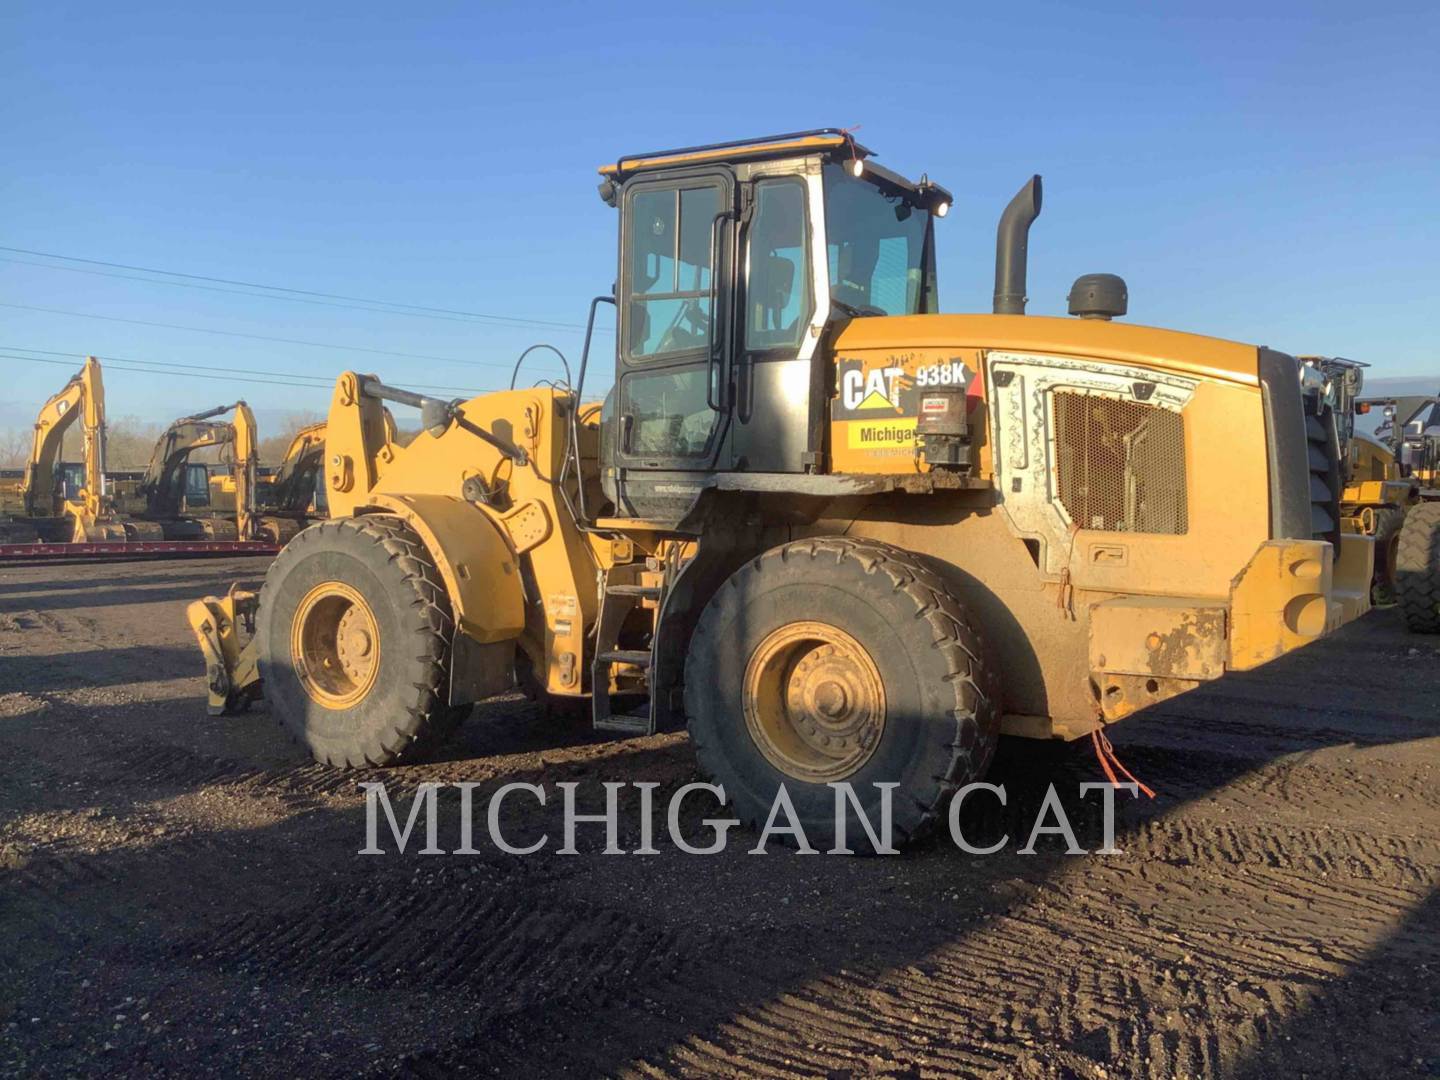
<point x="1012" y="243"/>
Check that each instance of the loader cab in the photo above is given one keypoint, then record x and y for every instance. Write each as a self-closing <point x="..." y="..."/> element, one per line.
<point x="735" y="261"/>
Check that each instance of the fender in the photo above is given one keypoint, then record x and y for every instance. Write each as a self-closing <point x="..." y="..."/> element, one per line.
<point x="484" y="584"/>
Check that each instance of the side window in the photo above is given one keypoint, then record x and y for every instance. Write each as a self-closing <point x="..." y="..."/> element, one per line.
<point x="670" y="270"/>
<point x="777" y="269"/>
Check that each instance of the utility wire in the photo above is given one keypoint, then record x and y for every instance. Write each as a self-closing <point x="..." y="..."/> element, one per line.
<point x="262" y="337"/>
<point x="319" y="380"/>
<point x="233" y="375"/>
<point x="181" y="374"/>
<point x="223" y="373"/>
<point x="392" y="307"/>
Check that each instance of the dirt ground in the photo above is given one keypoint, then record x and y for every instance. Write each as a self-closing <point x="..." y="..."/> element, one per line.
<point x="181" y="893"/>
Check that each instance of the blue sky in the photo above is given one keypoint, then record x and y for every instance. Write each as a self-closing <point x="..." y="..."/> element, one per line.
<point x="1262" y="172"/>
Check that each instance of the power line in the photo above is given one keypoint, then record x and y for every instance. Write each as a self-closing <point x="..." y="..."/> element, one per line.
<point x="181" y="374"/>
<point x="319" y="380"/>
<point x="255" y="295"/>
<point x="113" y="366"/>
<point x="392" y="307"/>
<point x="261" y="337"/>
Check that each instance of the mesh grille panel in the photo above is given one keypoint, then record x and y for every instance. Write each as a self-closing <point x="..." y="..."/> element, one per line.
<point x="1119" y="465"/>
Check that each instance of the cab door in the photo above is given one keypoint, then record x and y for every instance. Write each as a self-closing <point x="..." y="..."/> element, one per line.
<point x="674" y="327"/>
<point x="779" y="403"/>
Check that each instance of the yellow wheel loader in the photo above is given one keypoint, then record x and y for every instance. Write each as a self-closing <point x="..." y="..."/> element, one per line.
<point x="841" y="536"/>
<point x="1397" y="476"/>
<point x="1389" y="486"/>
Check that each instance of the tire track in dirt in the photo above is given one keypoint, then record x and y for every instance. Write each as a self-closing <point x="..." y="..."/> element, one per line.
<point x="479" y="930"/>
<point x="1138" y="963"/>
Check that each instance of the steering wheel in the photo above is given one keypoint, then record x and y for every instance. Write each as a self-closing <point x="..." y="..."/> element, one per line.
<point x="677" y="337"/>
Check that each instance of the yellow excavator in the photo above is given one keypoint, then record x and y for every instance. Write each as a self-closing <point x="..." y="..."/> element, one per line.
<point x="841" y="536"/>
<point x="43" y="510"/>
<point x="287" y="498"/>
<point x="159" y="500"/>
<point x="295" y="496"/>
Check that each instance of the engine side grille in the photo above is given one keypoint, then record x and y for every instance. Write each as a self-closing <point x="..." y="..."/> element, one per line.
<point x="1119" y="464"/>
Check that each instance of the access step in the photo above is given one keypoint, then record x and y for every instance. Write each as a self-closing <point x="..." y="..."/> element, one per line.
<point x="625" y="723"/>
<point x="643" y="592"/>
<point x="638" y="657"/>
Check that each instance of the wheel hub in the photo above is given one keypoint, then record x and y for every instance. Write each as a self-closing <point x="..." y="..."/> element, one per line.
<point x="334" y="645"/>
<point x="813" y="702"/>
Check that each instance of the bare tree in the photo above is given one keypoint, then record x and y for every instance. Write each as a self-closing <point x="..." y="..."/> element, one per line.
<point x="14" y="447"/>
<point x="276" y="441"/>
<point x="129" y="442"/>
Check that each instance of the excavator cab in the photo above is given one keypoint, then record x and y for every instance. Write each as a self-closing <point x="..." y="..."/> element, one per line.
<point x="735" y="260"/>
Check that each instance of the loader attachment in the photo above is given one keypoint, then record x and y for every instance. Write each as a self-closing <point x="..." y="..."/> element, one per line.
<point x="232" y="678"/>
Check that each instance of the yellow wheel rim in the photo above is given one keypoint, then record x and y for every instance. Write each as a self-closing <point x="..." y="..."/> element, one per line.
<point x="813" y="702"/>
<point x="335" y="645"/>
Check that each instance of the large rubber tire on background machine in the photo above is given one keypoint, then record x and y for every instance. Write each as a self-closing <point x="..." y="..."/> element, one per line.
<point x="1417" y="568"/>
<point x="1388" y="522"/>
<point x="836" y="659"/>
<point x="353" y="636"/>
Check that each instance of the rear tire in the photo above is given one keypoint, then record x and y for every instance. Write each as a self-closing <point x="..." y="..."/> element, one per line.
<point x="1417" y="566"/>
<point x="836" y="659"/>
<point x="353" y="637"/>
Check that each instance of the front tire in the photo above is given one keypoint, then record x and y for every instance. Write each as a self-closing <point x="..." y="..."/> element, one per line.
<point x="832" y="660"/>
<point x="353" y="635"/>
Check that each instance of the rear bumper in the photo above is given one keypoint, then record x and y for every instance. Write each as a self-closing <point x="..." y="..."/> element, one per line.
<point x="1145" y="649"/>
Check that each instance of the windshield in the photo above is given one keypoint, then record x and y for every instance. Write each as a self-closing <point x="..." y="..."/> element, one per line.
<point x="877" y="248"/>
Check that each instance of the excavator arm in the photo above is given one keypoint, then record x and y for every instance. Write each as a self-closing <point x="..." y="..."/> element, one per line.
<point x="293" y="489"/>
<point x="90" y="507"/>
<point x="245" y="469"/>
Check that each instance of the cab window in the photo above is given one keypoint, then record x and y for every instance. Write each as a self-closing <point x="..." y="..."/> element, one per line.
<point x="668" y="414"/>
<point x="875" y="246"/>
<point x="670" y="270"/>
<point x="777" y="281"/>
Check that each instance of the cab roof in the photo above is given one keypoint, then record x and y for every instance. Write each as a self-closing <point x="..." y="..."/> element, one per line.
<point x="792" y="144"/>
<point x="836" y="143"/>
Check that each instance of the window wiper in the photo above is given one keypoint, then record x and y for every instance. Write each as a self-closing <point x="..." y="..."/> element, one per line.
<point x="853" y="311"/>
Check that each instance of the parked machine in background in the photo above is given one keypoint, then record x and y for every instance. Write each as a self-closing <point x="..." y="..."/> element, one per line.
<point x="842" y="536"/>
<point x="1375" y="496"/>
<point x="294" y="495"/>
<point x="173" y="498"/>
<point x="40" y="507"/>
<point x="1400" y="464"/>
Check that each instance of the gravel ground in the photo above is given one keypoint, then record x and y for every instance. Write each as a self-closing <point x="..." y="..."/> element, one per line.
<point x="183" y="894"/>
